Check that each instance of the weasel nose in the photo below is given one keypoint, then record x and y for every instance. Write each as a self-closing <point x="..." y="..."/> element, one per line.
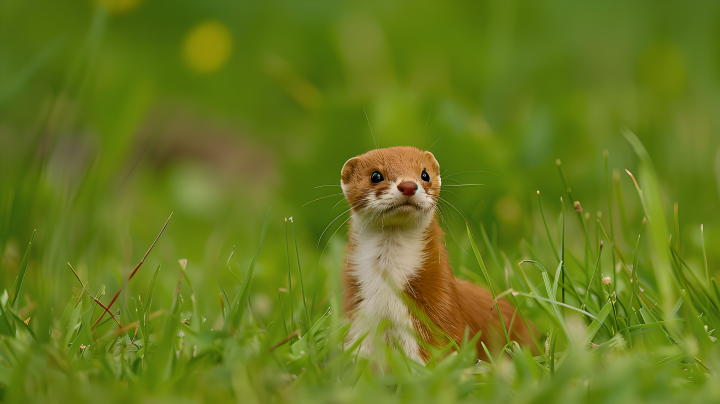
<point x="407" y="187"/>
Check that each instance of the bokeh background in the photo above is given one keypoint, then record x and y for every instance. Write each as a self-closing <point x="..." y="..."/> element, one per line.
<point x="115" y="113"/>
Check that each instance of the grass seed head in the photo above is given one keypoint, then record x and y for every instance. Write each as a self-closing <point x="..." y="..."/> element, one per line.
<point x="547" y="344"/>
<point x="577" y="206"/>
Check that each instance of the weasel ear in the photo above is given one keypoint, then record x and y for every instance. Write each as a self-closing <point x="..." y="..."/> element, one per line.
<point x="432" y="161"/>
<point x="348" y="169"/>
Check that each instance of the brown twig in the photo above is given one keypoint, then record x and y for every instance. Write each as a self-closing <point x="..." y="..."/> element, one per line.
<point x="292" y="335"/>
<point x="178" y="286"/>
<point x="132" y="273"/>
<point x="134" y="325"/>
<point x="134" y="335"/>
<point x="93" y="297"/>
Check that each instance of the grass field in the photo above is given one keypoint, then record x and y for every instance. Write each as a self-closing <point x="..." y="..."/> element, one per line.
<point x="188" y="157"/>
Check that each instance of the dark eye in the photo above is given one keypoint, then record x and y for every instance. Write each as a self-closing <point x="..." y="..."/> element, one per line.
<point x="425" y="176"/>
<point x="376" y="177"/>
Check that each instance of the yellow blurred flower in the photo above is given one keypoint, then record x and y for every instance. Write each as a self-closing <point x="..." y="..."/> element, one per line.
<point x="207" y="46"/>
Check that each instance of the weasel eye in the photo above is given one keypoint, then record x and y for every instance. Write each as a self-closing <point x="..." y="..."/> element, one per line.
<point x="376" y="177"/>
<point x="425" y="176"/>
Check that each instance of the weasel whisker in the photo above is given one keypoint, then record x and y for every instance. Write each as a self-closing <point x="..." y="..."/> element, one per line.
<point x="333" y="221"/>
<point x="453" y="206"/>
<point x="465" y="172"/>
<point x="324" y="197"/>
<point x="338" y="203"/>
<point x="333" y="235"/>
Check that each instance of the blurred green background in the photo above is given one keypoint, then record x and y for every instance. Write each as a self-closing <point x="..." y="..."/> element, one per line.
<point x="115" y="113"/>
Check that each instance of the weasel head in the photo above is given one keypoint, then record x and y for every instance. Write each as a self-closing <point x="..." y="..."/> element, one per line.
<point x="396" y="186"/>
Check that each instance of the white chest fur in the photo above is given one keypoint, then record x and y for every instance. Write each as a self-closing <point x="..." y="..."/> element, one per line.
<point x="383" y="261"/>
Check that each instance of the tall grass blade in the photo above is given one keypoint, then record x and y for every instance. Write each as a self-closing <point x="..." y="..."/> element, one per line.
<point x="597" y="264"/>
<point x="609" y="190"/>
<point x="562" y="244"/>
<point x="489" y="247"/>
<point x="702" y="241"/>
<point x="547" y="230"/>
<point x="656" y="222"/>
<point x="487" y="278"/>
<point x="158" y="366"/>
<point x="597" y="323"/>
<point x="588" y="249"/>
<point x="550" y="289"/>
<point x="225" y="298"/>
<point x="238" y="308"/>
<point x="21" y="273"/>
<point x="290" y="289"/>
<point x="302" y="285"/>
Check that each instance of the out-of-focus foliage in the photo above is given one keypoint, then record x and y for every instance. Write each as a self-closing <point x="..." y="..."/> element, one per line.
<point x="114" y="113"/>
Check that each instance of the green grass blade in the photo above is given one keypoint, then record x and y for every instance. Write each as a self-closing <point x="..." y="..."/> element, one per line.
<point x="290" y="289"/>
<point x="597" y="323"/>
<point x="709" y="295"/>
<point x="715" y="288"/>
<point x="158" y="368"/>
<point x="238" y="309"/>
<point x="651" y="325"/>
<point x="609" y="190"/>
<point x="597" y="264"/>
<point x="68" y="327"/>
<point x="567" y="306"/>
<point x="551" y="296"/>
<point x="21" y="273"/>
<point x="553" y="344"/>
<point x="562" y="242"/>
<point x="588" y="249"/>
<point x="651" y="196"/>
<point x="620" y="201"/>
<point x="487" y="278"/>
<point x="634" y="278"/>
<point x="302" y="285"/>
<point x="282" y="313"/>
<point x="702" y="241"/>
<point x="489" y="247"/>
<point x="227" y="302"/>
<point x="196" y="321"/>
<point x="21" y="324"/>
<point x="6" y="323"/>
<point x="85" y="335"/>
<point x="302" y="343"/>
<point x="547" y="230"/>
<point x="149" y="293"/>
<point x="555" y="282"/>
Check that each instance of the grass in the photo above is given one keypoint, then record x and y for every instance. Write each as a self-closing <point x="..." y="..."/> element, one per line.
<point x="646" y="335"/>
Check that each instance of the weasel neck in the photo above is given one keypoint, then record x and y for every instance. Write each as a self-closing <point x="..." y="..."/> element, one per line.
<point x="383" y="264"/>
<point x="393" y="252"/>
<point x="368" y="224"/>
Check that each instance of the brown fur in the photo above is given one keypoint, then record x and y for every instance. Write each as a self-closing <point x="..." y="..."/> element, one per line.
<point x="450" y="304"/>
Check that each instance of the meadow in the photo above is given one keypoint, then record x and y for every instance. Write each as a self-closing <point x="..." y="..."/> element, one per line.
<point x="172" y="226"/>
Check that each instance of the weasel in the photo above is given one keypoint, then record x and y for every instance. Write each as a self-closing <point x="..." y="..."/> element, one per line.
<point x="398" y="287"/>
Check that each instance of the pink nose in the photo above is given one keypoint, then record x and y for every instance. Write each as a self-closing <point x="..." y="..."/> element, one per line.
<point x="407" y="187"/>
